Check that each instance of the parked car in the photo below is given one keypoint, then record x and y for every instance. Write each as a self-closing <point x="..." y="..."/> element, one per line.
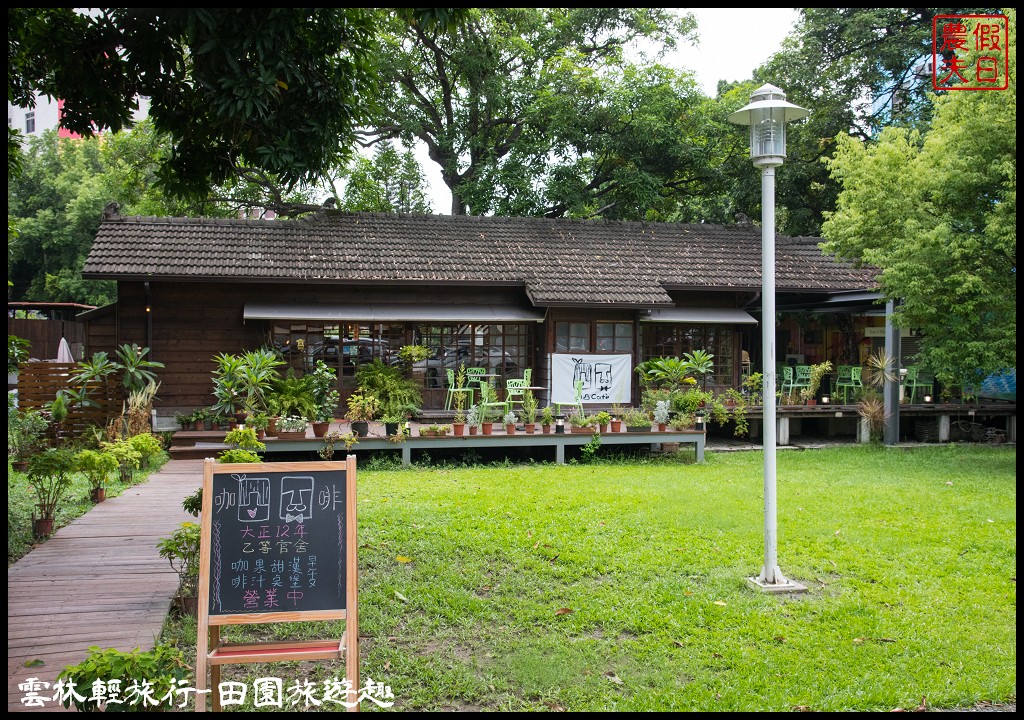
<point x="353" y="352"/>
<point x="494" y="359"/>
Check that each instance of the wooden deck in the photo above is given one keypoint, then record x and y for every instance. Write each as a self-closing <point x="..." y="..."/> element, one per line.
<point x="98" y="581"/>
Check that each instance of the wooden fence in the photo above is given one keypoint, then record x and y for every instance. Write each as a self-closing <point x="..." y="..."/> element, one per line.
<point x="39" y="382"/>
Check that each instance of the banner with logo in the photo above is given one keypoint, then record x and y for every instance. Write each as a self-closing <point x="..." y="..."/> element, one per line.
<point x="606" y="378"/>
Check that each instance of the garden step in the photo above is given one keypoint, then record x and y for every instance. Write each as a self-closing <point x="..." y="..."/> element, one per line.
<point x="186" y="438"/>
<point x="193" y="452"/>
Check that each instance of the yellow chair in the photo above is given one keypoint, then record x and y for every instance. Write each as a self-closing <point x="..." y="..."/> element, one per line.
<point x="918" y="378"/>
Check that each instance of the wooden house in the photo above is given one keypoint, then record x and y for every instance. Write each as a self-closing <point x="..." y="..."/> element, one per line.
<point x="567" y="299"/>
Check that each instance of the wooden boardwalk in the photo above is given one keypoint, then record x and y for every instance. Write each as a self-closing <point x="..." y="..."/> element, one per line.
<point x="98" y="581"/>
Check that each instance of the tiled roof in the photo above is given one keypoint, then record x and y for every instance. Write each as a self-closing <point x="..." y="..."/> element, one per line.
<point x="569" y="262"/>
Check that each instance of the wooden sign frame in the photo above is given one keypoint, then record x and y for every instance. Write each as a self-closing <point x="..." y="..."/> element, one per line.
<point x="211" y="652"/>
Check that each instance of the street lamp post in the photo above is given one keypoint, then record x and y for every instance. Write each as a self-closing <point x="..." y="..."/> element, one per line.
<point x="767" y="115"/>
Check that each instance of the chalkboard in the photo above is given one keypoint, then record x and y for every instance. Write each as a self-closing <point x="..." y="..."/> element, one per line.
<point x="275" y="540"/>
<point x="278" y="545"/>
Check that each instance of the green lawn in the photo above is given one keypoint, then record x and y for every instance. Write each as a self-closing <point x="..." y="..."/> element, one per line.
<point x="622" y="585"/>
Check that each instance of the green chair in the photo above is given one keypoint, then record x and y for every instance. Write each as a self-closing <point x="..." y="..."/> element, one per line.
<point x="847" y="378"/>
<point x="786" y="386"/>
<point x="577" y="401"/>
<point x="453" y="390"/>
<point x="918" y="378"/>
<point x="801" y="377"/>
<point x="489" y="399"/>
<point x="514" y="391"/>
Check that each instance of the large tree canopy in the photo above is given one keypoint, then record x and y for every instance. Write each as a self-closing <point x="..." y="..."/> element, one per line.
<point x="279" y="90"/>
<point x="845" y="65"/>
<point x="535" y="110"/>
<point x="937" y="213"/>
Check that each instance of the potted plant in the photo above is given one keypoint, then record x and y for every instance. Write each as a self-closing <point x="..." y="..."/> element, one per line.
<point x="392" y="423"/>
<point x="323" y="383"/>
<point x="181" y="550"/>
<point x="257" y="375"/>
<point x="473" y="419"/>
<point x="259" y="422"/>
<point x="184" y="420"/>
<point x="97" y="467"/>
<point x="616" y="421"/>
<point x="228" y="386"/>
<point x="547" y="419"/>
<point x="602" y="419"/>
<point x="636" y="420"/>
<point x="50" y="475"/>
<point x="26" y="430"/>
<point x="459" y="401"/>
<point x="818" y="372"/>
<point x="661" y="414"/>
<point x="17" y="353"/>
<point x="362" y="408"/>
<point x="510" y="421"/>
<point x="293" y="396"/>
<point x="529" y="412"/>
<point x="292" y="427"/>
<point x="395" y="393"/>
<point x="129" y="458"/>
<point x="580" y="423"/>
<point x="201" y="418"/>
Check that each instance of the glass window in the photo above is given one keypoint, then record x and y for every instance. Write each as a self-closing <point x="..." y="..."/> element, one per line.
<point x="572" y="337"/>
<point x="614" y="337"/>
<point x="30" y="122"/>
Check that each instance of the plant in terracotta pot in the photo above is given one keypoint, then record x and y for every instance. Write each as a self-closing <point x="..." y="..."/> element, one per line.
<point x="49" y="473"/>
<point x="661" y="414"/>
<point x="323" y="383"/>
<point x="459" y="401"/>
<point x="616" y="421"/>
<point x="547" y="418"/>
<point x="510" y="421"/>
<point x="602" y="419"/>
<point x="257" y="375"/>
<point x="529" y="411"/>
<point x="26" y="433"/>
<point x="473" y="419"/>
<point x="580" y="423"/>
<point x="258" y="422"/>
<point x="97" y="466"/>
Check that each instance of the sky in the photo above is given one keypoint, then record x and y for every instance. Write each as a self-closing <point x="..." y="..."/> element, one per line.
<point x="732" y="42"/>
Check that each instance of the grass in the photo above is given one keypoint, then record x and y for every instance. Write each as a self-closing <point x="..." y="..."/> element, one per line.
<point x="622" y="585"/>
<point x="21" y="504"/>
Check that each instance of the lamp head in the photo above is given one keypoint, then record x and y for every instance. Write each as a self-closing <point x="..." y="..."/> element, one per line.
<point x="767" y="115"/>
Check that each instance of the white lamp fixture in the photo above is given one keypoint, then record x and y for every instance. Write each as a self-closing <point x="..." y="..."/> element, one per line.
<point x="767" y="115"/>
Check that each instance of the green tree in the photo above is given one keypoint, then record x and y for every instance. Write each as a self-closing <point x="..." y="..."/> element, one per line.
<point x="496" y="99"/>
<point x="937" y="214"/>
<point x="276" y="89"/>
<point x="389" y="182"/>
<point x="844" y="65"/>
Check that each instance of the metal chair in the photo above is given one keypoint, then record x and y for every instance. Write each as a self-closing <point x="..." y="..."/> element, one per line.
<point x="918" y="378"/>
<point x="847" y="378"/>
<point x="801" y="377"/>
<point x="489" y="399"/>
<point x="452" y="390"/>
<point x="577" y="402"/>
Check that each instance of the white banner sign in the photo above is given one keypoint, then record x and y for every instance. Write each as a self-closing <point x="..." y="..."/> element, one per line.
<point x="606" y="378"/>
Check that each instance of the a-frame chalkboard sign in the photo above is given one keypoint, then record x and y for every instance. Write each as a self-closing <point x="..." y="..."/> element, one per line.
<point x="278" y="545"/>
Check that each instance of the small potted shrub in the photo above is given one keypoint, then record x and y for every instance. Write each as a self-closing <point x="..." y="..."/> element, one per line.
<point x="26" y="430"/>
<point x="323" y="382"/>
<point x="547" y="419"/>
<point x="362" y="408"/>
<point x="529" y="412"/>
<point x="259" y="422"/>
<point x="473" y="419"/>
<point x="661" y="414"/>
<point x="510" y="421"/>
<point x="184" y="420"/>
<point x="579" y="423"/>
<point x="818" y="373"/>
<point x="50" y="475"/>
<point x="392" y="423"/>
<point x="97" y="466"/>
<point x="602" y="419"/>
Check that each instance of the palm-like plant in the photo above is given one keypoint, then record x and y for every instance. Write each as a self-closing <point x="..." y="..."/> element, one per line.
<point x="137" y="373"/>
<point x="257" y="374"/>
